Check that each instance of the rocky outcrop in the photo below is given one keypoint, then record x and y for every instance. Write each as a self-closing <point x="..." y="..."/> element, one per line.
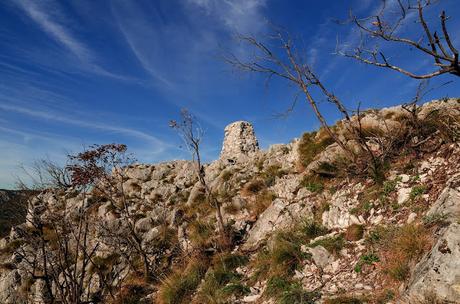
<point x="280" y="215"/>
<point x="343" y="201"/>
<point x="437" y="276"/>
<point x="239" y="141"/>
<point x="331" y="224"/>
<point x="447" y="205"/>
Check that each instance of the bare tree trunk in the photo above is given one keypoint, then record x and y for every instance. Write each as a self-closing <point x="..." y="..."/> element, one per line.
<point x="191" y="134"/>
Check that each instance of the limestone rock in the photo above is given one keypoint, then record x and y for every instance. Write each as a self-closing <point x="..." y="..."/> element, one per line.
<point x="321" y="256"/>
<point x="338" y="215"/>
<point x="437" y="275"/>
<point x="141" y="173"/>
<point x="9" y="283"/>
<point x="286" y="186"/>
<point x="264" y="225"/>
<point x="448" y="203"/>
<point x="144" y="224"/>
<point x="278" y="216"/>
<point x="411" y="217"/>
<point x="239" y="140"/>
<point x="403" y="195"/>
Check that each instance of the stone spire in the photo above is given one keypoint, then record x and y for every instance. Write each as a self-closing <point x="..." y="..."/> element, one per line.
<point x="239" y="141"/>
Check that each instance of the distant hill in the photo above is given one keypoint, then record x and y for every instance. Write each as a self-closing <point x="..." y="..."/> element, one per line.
<point x="13" y="206"/>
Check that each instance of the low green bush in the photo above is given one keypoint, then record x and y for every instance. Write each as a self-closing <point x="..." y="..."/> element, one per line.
<point x="366" y="259"/>
<point x="312" y="183"/>
<point x="417" y="191"/>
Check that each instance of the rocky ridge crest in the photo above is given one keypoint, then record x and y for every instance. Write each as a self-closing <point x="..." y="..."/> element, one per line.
<point x="264" y="193"/>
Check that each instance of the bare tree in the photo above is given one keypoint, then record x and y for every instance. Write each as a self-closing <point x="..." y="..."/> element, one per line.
<point x="59" y="244"/>
<point x="44" y="174"/>
<point x="279" y="57"/>
<point x="192" y="134"/>
<point x="56" y="251"/>
<point x="289" y="65"/>
<point x="420" y="130"/>
<point x="384" y="26"/>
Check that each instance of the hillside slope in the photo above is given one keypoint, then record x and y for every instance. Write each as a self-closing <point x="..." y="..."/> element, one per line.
<point x="303" y="226"/>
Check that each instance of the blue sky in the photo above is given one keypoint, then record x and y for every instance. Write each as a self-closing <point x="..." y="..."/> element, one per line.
<point x="79" y="72"/>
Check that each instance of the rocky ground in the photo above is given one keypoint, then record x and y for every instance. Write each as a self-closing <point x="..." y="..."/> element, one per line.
<point x="295" y="238"/>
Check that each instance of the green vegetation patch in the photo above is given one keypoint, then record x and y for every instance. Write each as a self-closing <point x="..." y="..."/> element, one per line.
<point x="270" y="174"/>
<point x="286" y="291"/>
<point x="417" y="191"/>
<point x="332" y="244"/>
<point x="366" y="259"/>
<point x="221" y="280"/>
<point x="284" y="254"/>
<point x="310" y="146"/>
<point x="313" y="183"/>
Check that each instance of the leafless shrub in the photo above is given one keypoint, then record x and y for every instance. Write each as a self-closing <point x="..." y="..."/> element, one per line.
<point x="102" y="169"/>
<point x="56" y="250"/>
<point x="44" y="174"/>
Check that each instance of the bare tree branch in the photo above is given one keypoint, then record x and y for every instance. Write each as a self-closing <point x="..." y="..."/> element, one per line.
<point x="380" y="27"/>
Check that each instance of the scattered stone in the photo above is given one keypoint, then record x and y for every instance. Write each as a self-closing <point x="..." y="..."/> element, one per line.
<point x="377" y="220"/>
<point x="264" y="225"/>
<point x="251" y="298"/>
<point x="448" y="203"/>
<point x="404" y="178"/>
<point x="321" y="256"/>
<point x="403" y="195"/>
<point x="411" y="218"/>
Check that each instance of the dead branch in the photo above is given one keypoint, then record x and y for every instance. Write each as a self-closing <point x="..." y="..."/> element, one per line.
<point x="382" y="27"/>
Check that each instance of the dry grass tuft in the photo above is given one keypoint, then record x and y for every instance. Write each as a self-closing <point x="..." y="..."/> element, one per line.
<point x="400" y="248"/>
<point x="262" y="201"/>
<point x="310" y="146"/>
<point x="253" y="187"/>
<point x="179" y="287"/>
<point x="354" y="232"/>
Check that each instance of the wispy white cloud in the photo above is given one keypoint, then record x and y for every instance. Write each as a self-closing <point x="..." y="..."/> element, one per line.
<point x="173" y="52"/>
<point x="57" y="31"/>
<point x="243" y="16"/>
<point x="50" y="18"/>
<point x="143" y="38"/>
<point x="58" y="117"/>
<point x="23" y="147"/>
